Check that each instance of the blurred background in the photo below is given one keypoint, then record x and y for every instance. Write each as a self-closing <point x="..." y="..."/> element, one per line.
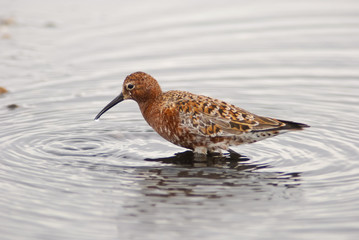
<point x="64" y="176"/>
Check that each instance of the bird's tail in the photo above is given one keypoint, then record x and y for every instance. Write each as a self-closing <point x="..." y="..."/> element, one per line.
<point x="289" y="125"/>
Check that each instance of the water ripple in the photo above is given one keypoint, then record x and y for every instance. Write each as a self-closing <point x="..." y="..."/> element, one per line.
<point x="61" y="170"/>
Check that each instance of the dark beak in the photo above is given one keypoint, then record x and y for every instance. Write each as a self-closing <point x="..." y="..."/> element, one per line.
<point x="118" y="99"/>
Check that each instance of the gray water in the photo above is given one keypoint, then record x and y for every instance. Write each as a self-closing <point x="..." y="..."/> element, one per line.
<point x="65" y="176"/>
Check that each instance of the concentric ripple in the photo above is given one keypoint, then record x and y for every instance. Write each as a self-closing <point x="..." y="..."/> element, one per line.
<point x="65" y="176"/>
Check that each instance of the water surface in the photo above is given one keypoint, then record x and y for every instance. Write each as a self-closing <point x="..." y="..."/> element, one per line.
<point x="65" y="176"/>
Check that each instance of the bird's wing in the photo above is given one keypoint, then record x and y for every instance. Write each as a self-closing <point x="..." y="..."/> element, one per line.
<point x="211" y="117"/>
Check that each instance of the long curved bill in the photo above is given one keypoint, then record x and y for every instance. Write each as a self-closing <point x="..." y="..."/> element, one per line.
<point x="118" y="99"/>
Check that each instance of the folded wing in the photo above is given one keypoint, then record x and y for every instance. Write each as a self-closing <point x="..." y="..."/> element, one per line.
<point x="211" y="117"/>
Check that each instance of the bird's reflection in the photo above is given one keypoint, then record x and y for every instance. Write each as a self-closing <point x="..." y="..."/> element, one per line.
<point x="188" y="159"/>
<point x="215" y="176"/>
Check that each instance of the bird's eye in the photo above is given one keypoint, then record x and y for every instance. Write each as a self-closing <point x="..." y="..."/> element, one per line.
<point x="130" y="86"/>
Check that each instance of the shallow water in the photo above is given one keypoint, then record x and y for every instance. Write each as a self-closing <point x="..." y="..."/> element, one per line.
<point x="65" y="176"/>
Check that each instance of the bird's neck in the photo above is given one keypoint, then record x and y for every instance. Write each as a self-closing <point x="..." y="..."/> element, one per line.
<point x="149" y="110"/>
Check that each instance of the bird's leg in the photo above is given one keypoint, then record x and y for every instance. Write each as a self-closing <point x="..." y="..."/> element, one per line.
<point x="200" y="150"/>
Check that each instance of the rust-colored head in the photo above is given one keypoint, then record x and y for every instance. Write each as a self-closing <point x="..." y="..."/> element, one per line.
<point x="138" y="86"/>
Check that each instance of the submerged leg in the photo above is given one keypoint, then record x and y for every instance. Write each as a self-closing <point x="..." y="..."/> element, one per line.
<point x="200" y="155"/>
<point x="200" y="150"/>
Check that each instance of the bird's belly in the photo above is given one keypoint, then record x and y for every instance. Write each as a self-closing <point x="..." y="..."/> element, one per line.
<point x="184" y="138"/>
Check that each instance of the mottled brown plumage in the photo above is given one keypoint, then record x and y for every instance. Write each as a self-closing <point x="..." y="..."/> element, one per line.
<point x="197" y="122"/>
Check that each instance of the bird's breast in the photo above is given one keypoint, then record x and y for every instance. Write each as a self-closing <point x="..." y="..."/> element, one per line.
<point x="164" y="120"/>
